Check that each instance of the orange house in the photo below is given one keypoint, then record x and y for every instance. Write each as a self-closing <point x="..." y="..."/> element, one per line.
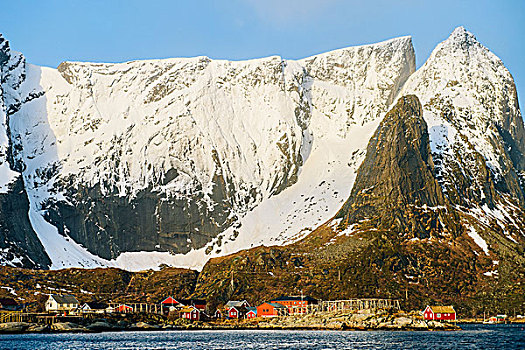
<point x="295" y="304"/>
<point x="271" y="310"/>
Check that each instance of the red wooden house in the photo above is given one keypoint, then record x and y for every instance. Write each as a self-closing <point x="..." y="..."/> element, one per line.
<point x="170" y="304"/>
<point x="271" y="310"/>
<point x="440" y="313"/>
<point x="237" y="312"/>
<point x="123" y="308"/>
<point x="252" y="312"/>
<point x="191" y="313"/>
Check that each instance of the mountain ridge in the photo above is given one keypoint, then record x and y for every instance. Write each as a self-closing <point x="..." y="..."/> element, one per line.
<point x="94" y="173"/>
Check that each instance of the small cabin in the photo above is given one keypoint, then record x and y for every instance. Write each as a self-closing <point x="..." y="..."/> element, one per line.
<point x="271" y="310"/>
<point x="218" y="314"/>
<point x="440" y="313"/>
<point x="251" y="312"/>
<point x="190" y="313"/>
<point x="9" y="304"/>
<point x="170" y="304"/>
<point x="61" y="303"/>
<point x="237" y="312"/>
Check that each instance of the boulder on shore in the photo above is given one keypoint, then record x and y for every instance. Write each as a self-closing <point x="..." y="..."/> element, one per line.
<point x="100" y="326"/>
<point x="143" y="325"/>
<point x="67" y="327"/>
<point x="14" y="327"/>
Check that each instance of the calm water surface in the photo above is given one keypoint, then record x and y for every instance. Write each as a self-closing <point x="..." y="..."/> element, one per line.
<point x="471" y="337"/>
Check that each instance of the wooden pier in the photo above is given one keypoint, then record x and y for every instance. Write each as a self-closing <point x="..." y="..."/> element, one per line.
<point x="40" y="318"/>
<point x="142" y="307"/>
<point x="359" y="304"/>
<point x="349" y="305"/>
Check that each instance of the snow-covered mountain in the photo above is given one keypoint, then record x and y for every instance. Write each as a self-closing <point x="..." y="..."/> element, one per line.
<point x="476" y="130"/>
<point x="176" y="161"/>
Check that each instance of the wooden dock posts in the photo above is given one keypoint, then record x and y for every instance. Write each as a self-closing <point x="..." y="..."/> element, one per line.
<point x="350" y="305"/>
<point x="359" y="304"/>
<point x="41" y="318"/>
<point x="142" y="307"/>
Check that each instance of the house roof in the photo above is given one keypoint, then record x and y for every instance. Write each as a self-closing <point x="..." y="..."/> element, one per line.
<point x="64" y="299"/>
<point x="189" y="309"/>
<point x="278" y="306"/>
<point x="8" y="302"/>
<point x="295" y="298"/>
<point x="254" y="309"/>
<point x="95" y="306"/>
<point x="443" y="309"/>
<point x="170" y="301"/>
<point x="235" y="303"/>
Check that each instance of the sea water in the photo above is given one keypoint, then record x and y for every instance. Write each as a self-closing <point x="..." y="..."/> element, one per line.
<point x="471" y="337"/>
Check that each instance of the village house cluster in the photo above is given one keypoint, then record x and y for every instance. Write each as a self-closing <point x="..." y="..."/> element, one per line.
<point x="283" y="306"/>
<point x="191" y="309"/>
<point x="198" y="310"/>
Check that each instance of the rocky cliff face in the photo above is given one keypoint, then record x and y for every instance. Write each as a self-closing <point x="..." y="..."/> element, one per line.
<point x="19" y="245"/>
<point x="395" y="187"/>
<point x="397" y="235"/>
<point x="195" y="157"/>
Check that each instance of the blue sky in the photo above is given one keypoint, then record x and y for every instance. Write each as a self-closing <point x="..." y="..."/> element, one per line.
<point x="49" y="32"/>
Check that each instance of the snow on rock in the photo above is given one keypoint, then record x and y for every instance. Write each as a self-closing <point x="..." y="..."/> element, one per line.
<point x="478" y="240"/>
<point x="231" y="155"/>
<point x="7" y="98"/>
<point x="475" y="126"/>
<point x="467" y="91"/>
<point x="286" y="137"/>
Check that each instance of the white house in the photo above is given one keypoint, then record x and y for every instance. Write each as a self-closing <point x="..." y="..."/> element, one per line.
<point x="57" y="303"/>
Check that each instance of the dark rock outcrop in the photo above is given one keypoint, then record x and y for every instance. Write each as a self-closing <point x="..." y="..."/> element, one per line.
<point x="19" y="243"/>
<point x="108" y="224"/>
<point x="395" y="188"/>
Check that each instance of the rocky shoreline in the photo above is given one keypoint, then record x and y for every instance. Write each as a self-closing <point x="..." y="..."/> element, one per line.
<point x="324" y="321"/>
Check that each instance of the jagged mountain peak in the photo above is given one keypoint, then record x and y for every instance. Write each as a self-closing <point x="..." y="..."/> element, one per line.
<point x="4" y="50"/>
<point x="461" y="36"/>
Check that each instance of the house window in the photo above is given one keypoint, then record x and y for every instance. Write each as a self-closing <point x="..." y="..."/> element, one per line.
<point x="438" y="315"/>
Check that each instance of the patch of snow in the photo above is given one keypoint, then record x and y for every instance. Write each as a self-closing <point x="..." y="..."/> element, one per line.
<point x="478" y="240"/>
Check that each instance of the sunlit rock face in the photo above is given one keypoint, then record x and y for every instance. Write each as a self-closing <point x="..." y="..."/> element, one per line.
<point x="179" y="160"/>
